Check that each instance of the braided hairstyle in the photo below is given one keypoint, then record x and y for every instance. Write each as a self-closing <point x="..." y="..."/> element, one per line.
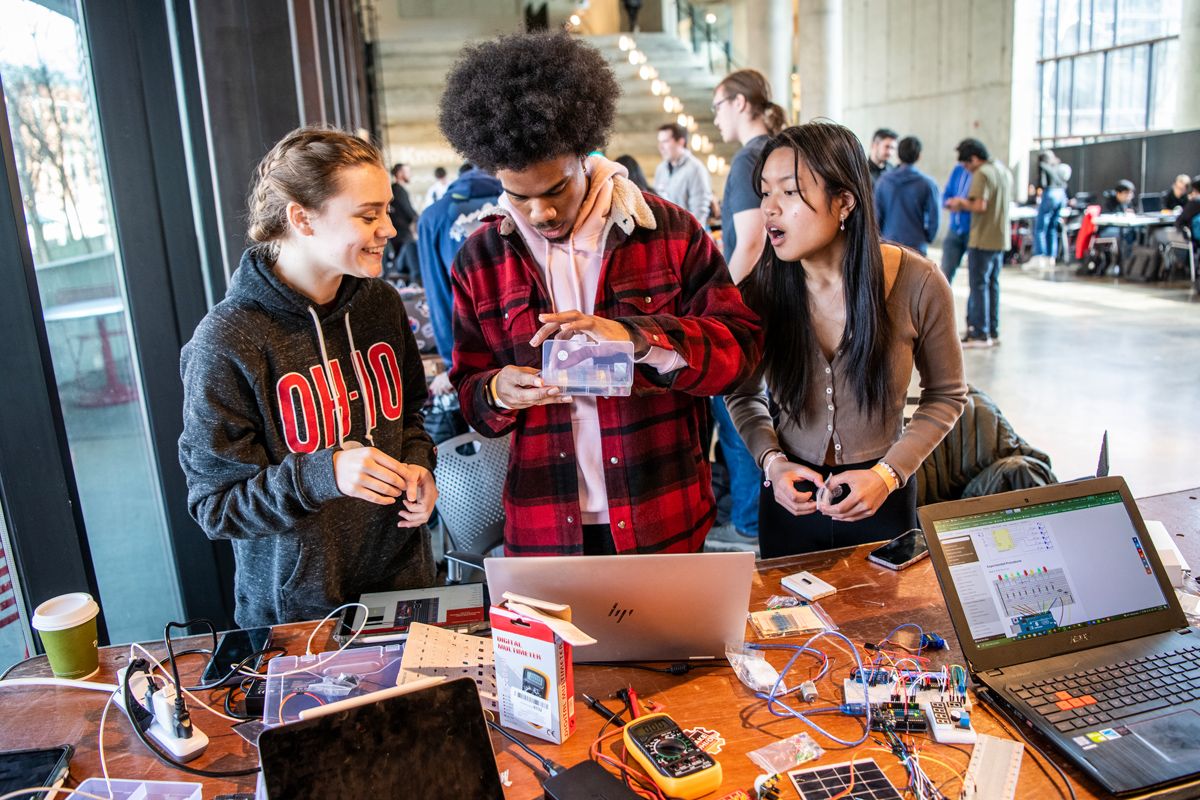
<point x="302" y="167"/>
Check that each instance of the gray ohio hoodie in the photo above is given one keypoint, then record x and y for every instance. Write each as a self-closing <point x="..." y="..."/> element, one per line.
<point x="273" y="386"/>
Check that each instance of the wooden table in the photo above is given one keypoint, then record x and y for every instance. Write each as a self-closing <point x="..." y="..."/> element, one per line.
<point x="871" y="602"/>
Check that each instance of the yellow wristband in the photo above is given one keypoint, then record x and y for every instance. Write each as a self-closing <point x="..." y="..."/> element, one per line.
<point x="890" y="480"/>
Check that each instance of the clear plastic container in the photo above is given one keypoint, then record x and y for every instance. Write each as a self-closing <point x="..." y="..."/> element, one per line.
<point x="137" y="790"/>
<point x="298" y="682"/>
<point x="582" y="367"/>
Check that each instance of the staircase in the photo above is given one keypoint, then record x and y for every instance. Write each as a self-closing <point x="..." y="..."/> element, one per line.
<point x="639" y="112"/>
<point x="416" y="58"/>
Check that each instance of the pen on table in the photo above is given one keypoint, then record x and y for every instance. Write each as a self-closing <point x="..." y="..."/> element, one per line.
<point x="604" y="711"/>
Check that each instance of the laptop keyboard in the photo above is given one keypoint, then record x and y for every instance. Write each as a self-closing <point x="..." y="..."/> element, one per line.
<point x="1098" y="696"/>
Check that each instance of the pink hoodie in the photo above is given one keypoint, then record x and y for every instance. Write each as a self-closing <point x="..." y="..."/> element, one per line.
<point x="572" y="273"/>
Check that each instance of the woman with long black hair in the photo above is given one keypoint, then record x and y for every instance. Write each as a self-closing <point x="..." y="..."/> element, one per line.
<point x="846" y="320"/>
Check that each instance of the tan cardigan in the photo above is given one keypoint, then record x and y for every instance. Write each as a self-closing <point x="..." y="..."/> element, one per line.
<point x="924" y="336"/>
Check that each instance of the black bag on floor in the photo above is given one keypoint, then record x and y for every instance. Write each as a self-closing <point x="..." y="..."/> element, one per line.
<point x="1143" y="264"/>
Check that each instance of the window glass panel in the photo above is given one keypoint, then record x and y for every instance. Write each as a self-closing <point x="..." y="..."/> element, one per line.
<point x="64" y="191"/>
<point x="1062" y="119"/>
<point x="1068" y="26"/>
<point x="1048" y="72"/>
<point x="1102" y="23"/>
<point x="1138" y="20"/>
<point x="1125" y="90"/>
<point x="1049" y="28"/>
<point x="1166" y="66"/>
<point x="1085" y="116"/>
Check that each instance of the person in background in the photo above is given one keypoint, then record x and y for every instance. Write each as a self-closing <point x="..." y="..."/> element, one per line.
<point x="1117" y="201"/>
<point x="906" y="201"/>
<point x="632" y="9"/>
<point x="954" y="243"/>
<point x="436" y="189"/>
<point x="579" y="251"/>
<point x="1053" y="175"/>
<point x="743" y="112"/>
<point x="303" y="440"/>
<point x="442" y="230"/>
<point x="1189" y="217"/>
<point x="401" y="210"/>
<point x="987" y="202"/>
<point x="883" y="147"/>
<point x="634" y="170"/>
<point x="846" y="320"/>
<point x="680" y="177"/>
<point x="1177" y="196"/>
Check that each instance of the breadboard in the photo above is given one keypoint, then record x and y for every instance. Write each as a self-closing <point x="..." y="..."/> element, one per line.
<point x="994" y="769"/>
<point x="433" y="651"/>
<point x="852" y="691"/>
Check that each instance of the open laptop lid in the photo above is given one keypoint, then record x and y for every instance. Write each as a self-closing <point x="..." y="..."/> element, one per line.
<point x="1040" y="572"/>
<point x="432" y="744"/>
<point x="655" y="607"/>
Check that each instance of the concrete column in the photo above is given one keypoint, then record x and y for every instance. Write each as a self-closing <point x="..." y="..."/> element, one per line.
<point x="1187" y="112"/>
<point x="768" y="44"/>
<point x="819" y="59"/>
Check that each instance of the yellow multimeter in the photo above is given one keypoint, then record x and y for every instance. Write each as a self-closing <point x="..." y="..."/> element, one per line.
<point x="673" y="761"/>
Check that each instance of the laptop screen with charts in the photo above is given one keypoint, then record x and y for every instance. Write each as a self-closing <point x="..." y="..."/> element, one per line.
<point x="1035" y="573"/>
<point x="660" y="607"/>
<point x="431" y="743"/>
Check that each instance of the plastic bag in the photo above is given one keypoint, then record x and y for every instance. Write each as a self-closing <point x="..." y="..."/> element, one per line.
<point x="786" y="754"/>
<point x="755" y="673"/>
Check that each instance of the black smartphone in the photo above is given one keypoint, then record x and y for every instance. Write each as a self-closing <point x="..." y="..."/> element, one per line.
<point x="905" y="550"/>
<point x="20" y="769"/>
<point x="233" y="648"/>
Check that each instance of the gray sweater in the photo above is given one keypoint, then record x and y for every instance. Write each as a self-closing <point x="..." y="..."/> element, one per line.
<point x="259" y="433"/>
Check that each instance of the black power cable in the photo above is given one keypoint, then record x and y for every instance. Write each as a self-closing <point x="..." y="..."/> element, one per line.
<point x="551" y="767"/>
<point x="139" y="719"/>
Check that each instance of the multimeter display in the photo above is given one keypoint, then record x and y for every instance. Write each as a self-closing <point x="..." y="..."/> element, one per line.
<point x="664" y="743"/>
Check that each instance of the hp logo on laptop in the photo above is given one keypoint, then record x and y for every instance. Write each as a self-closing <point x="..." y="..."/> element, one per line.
<point x="619" y="613"/>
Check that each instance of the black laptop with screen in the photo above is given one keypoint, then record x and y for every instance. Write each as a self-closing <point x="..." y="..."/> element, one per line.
<point x="1064" y="612"/>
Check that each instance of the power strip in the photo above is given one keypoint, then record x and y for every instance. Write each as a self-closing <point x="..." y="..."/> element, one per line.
<point x="164" y="711"/>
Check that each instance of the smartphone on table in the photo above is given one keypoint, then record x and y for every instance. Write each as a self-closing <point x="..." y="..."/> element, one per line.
<point x="233" y="648"/>
<point x="905" y="550"/>
<point x="21" y="769"/>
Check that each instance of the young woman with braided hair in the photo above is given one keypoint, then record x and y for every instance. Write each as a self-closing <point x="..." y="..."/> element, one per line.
<point x="303" y="438"/>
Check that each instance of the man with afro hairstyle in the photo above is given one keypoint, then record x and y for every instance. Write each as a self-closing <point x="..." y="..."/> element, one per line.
<point x="579" y="250"/>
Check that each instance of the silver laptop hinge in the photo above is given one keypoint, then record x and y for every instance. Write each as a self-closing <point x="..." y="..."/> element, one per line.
<point x="994" y="673"/>
<point x="1183" y="631"/>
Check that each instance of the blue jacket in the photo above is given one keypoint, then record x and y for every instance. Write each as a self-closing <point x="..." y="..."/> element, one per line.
<point x="441" y="231"/>
<point x="957" y="185"/>
<point x="906" y="207"/>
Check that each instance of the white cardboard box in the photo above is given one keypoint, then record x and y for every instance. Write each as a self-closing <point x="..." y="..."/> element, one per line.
<point x="535" y="681"/>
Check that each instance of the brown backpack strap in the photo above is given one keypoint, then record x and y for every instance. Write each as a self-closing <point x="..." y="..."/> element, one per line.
<point x="892" y="256"/>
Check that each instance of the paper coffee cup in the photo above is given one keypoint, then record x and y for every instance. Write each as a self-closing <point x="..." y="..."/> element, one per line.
<point x="67" y="627"/>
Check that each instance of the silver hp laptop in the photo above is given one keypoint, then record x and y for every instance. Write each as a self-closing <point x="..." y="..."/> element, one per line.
<point x="662" y="607"/>
<point x="1065" y="614"/>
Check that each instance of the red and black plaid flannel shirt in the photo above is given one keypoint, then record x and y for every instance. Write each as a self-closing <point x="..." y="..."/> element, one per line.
<point x="670" y="283"/>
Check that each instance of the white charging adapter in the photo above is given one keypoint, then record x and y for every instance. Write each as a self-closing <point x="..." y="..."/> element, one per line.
<point x="162" y="730"/>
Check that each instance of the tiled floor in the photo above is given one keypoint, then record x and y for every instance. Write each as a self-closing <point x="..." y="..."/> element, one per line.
<point x="1082" y="356"/>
